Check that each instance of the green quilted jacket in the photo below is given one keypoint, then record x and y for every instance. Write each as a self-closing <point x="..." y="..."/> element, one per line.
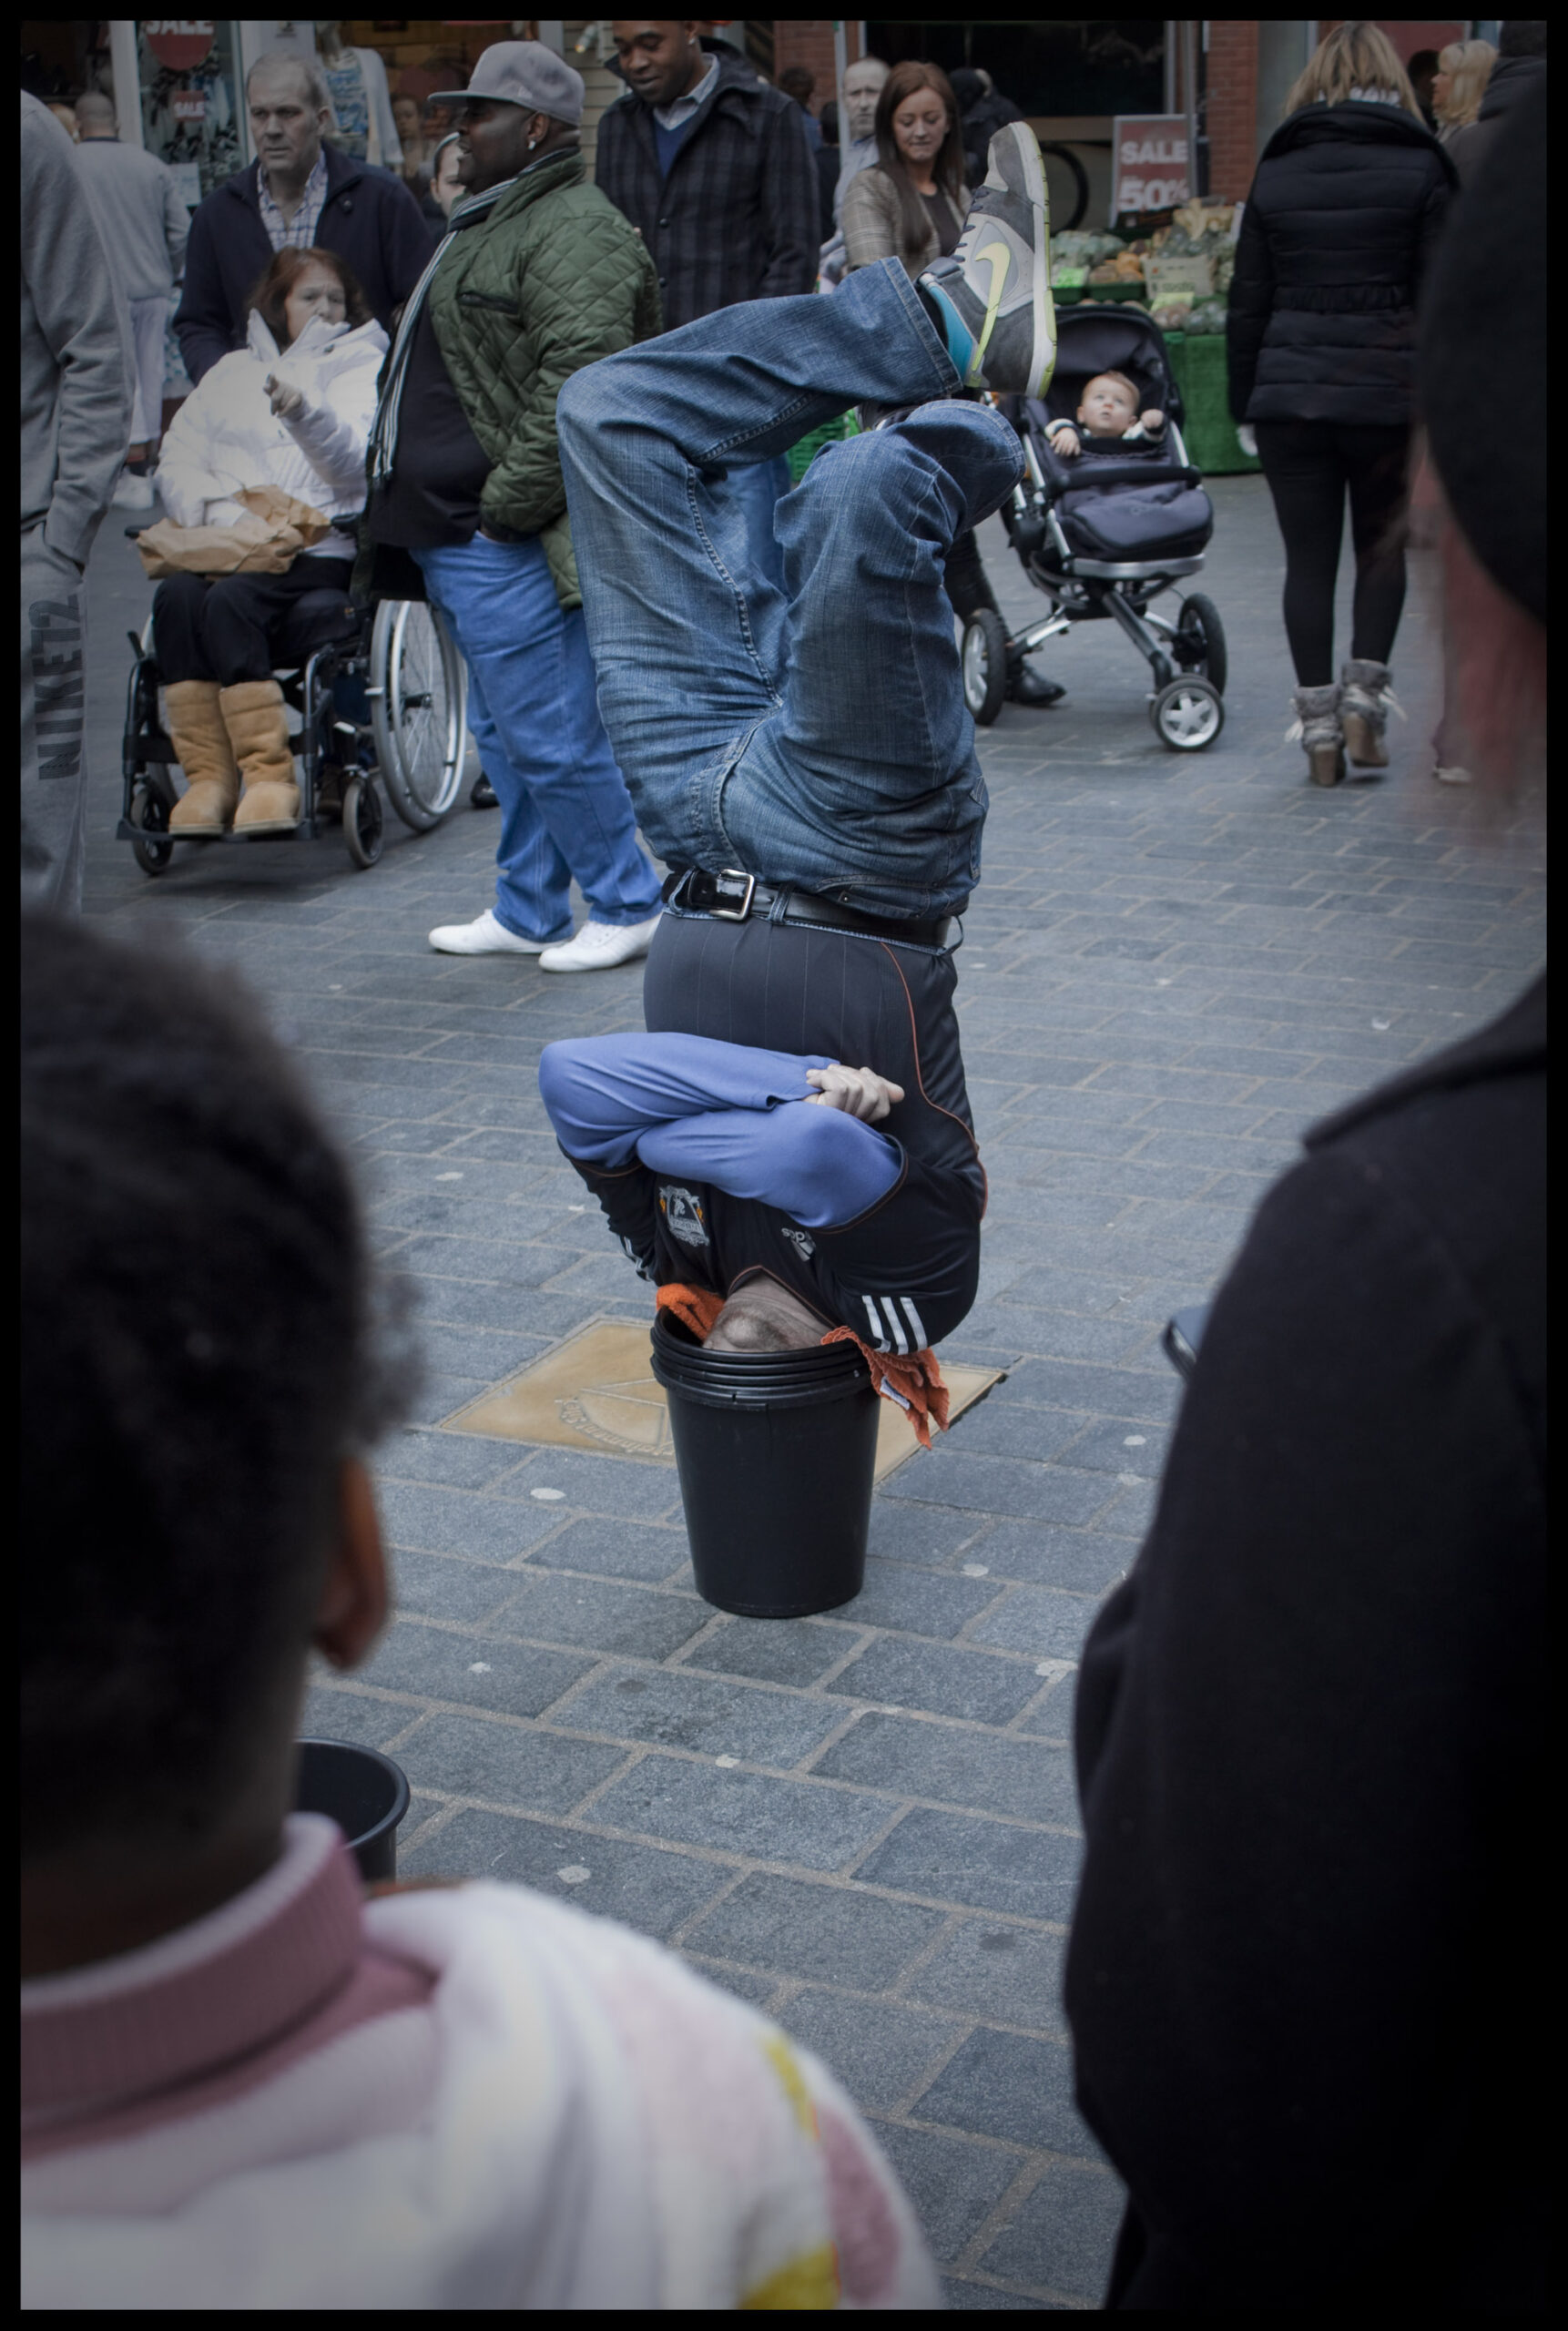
<point x="552" y="280"/>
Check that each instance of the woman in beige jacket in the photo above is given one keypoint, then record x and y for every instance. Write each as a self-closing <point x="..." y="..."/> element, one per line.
<point x="910" y="206"/>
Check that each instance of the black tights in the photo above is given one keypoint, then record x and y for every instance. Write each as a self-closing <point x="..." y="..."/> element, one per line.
<point x="1310" y="465"/>
<point x="225" y="627"/>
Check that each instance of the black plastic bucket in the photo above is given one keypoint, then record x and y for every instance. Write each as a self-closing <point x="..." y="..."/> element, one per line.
<point x="359" y="1789"/>
<point x="777" y="1452"/>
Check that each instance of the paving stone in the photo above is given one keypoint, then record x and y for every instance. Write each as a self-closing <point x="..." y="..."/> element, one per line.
<point x="1097" y="1391"/>
<point x="649" y="1889"/>
<point x="472" y="1756"/>
<point x="1011" y="1432"/>
<point x="478" y="1669"/>
<point x="1000" y="1485"/>
<point x="878" y="2051"/>
<point x="1042" y="1620"/>
<point x="449" y="1460"/>
<point x="609" y="1485"/>
<point x="917" y="1602"/>
<point x="437" y="1586"/>
<point x="672" y="1708"/>
<point x="617" y="1549"/>
<point x="957" y="1767"/>
<point x="794" y="1928"/>
<point x="905" y="1532"/>
<point x="1064" y="2234"/>
<point x="803" y="1822"/>
<point x="772" y="1651"/>
<point x="954" y="2186"/>
<point x="1009" y="1974"/>
<point x="1085" y="1561"/>
<point x="368" y="1722"/>
<point x="987" y="1864"/>
<point x="601" y="1614"/>
<point x="481" y="1528"/>
<point x="981" y="2298"/>
<point x="755" y="1990"/>
<point x="944" y="1678"/>
<point x="1000" y="2085"/>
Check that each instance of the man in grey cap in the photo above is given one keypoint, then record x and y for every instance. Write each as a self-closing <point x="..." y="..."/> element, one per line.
<point x="538" y="276"/>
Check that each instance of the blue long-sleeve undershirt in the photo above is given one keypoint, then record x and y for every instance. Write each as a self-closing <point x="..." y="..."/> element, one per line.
<point x="732" y="1116"/>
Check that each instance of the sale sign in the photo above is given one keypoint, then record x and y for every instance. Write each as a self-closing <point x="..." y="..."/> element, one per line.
<point x="178" y="42"/>
<point x="1151" y="167"/>
<point x="188" y="105"/>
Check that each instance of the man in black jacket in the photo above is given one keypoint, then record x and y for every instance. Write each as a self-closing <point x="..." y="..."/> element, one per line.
<point x="297" y="191"/>
<point x="1309" y="1973"/>
<point x="714" y="170"/>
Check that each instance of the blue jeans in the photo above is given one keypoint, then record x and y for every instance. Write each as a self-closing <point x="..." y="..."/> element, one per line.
<point x="731" y="1115"/>
<point x="817" y="736"/>
<point x="565" y="809"/>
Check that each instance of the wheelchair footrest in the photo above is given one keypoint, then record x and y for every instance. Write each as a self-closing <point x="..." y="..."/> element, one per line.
<point x="308" y="829"/>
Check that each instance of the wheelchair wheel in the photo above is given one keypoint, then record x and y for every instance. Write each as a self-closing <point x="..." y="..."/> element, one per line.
<point x="149" y="814"/>
<point x="1188" y="713"/>
<point x="362" y="821"/>
<point x="419" y="697"/>
<point x="984" y="661"/>
<point x="1200" y="641"/>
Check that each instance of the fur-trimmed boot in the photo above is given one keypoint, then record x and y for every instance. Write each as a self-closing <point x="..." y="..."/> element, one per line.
<point x="197" y="732"/>
<point x="1366" y="699"/>
<point x="1317" y="724"/>
<point x="259" y="730"/>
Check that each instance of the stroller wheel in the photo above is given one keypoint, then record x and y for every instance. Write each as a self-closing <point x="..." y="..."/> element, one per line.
<point x="984" y="660"/>
<point x="1188" y="713"/>
<point x="1200" y="640"/>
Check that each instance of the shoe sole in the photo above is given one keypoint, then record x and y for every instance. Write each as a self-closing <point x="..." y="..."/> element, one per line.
<point x="264" y="826"/>
<point x="619" y="962"/>
<point x="436" y="948"/>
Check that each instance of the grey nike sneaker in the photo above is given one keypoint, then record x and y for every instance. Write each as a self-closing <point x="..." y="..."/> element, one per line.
<point x="994" y="293"/>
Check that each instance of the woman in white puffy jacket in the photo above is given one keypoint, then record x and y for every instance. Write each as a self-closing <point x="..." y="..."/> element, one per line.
<point x="292" y="408"/>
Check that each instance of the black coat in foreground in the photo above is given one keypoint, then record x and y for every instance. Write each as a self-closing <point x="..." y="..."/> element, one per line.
<point x="738" y="217"/>
<point x="369" y="217"/>
<point x="1307" y="1979"/>
<point x="1335" y="236"/>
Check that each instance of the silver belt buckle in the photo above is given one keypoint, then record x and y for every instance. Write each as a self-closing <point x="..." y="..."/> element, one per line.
<point x="739" y="913"/>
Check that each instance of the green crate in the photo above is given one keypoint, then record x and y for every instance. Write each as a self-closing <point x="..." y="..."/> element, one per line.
<point x="1197" y="362"/>
<point x="801" y="454"/>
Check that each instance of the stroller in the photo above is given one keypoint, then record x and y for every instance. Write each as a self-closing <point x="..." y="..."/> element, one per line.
<point x="1097" y="555"/>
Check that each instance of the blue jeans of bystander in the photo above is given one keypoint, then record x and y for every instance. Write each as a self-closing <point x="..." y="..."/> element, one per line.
<point x="565" y="809"/>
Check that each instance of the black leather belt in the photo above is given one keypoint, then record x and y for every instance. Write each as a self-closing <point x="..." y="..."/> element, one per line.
<point x="732" y="896"/>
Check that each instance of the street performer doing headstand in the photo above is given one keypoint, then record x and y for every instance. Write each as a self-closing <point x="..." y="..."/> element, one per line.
<point x="805" y="765"/>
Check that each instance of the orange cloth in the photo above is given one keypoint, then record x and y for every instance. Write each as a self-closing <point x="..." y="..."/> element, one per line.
<point x="696" y="1308"/>
<point x="914" y="1382"/>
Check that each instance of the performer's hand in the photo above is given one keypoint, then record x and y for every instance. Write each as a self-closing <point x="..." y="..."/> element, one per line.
<point x="859" y="1092"/>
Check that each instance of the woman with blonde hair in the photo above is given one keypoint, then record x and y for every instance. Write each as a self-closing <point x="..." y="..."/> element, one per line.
<point x="1343" y="216"/>
<point x="1458" y="85"/>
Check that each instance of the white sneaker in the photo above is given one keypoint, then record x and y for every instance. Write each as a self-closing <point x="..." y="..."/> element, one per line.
<point x="484" y="937"/>
<point x="133" y="492"/>
<point x="600" y="946"/>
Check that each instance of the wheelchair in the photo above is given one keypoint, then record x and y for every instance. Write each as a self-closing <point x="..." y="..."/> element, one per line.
<point x="381" y="693"/>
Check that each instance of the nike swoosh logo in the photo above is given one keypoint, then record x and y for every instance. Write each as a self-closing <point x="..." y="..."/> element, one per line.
<point x="995" y="256"/>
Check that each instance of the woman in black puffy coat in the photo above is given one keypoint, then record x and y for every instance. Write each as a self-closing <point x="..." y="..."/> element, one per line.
<point x="1346" y="209"/>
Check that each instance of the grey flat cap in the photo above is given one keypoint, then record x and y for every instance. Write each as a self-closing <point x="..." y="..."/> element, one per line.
<point x="522" y="73"/>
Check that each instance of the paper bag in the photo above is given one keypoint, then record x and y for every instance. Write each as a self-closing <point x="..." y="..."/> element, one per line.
<point x="266" y="541"/>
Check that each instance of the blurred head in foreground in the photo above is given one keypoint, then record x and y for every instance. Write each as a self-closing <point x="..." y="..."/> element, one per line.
<point x="200" y="1380"/>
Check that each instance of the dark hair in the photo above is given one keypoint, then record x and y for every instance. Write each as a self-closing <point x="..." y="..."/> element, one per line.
<point x="967" y="87"/>
<point x="948" y="168"/>
<point x="828" y="122"/>
<point x="271" y="290"/>
<point x="798" y="81"/>
<point x="202" y="1349"/>
<point x="1521" y="36"/>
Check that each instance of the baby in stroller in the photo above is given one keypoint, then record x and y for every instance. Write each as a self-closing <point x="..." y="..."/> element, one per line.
<point x="1109" y="420"/>
<point x="1110" y="515"/>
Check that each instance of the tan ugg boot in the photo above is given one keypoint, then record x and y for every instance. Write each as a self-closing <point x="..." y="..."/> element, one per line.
<point x="258" y="728"/>
<point x="197" y="732"/>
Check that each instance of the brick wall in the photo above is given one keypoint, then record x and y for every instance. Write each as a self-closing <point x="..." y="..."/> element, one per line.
<point x="809" y="41"/>
<point x="1232" y="110"/>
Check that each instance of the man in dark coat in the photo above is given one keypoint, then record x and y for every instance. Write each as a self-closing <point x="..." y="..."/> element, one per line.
<point x="300" y="192"/>
<point x="714" y="170"/>
<point x="1307" y="1978"/>
<point x="1521" y="64"/>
